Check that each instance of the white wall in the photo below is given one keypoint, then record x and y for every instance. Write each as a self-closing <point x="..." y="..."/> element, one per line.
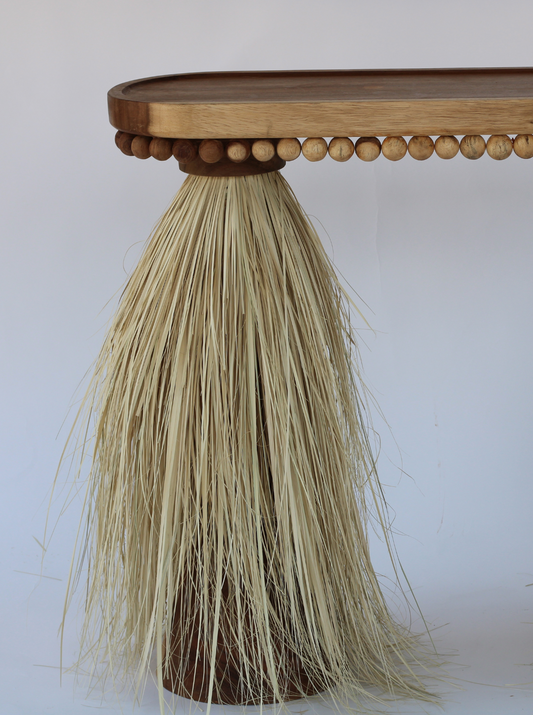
<point x="441" y="252"/>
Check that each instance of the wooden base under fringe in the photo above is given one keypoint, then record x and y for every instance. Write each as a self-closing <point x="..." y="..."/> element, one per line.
<point x="229" y="686"/>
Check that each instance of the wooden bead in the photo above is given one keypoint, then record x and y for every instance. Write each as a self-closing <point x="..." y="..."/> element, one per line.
<point x="341" y="149"/>
<point x="238" y="150"/>
<point x="211" y="150"/>
<point x="289" y="149"/>
<point x="161" y="149"/>
<point x="123" y="140"/>
<point x="368" y="148"/>
<point x="447" y="147"/>
<point x="523" y="146"/>
<point x="184" y="150"/>
<point x="314" y="148"/>
<point x="472" y="146"/>
<point x="421" y="148"/>
<point x="499" y="147"/>
<point x="263" y="150"/>
<point x="140" y="147"/>
<point x="394" y="148"/>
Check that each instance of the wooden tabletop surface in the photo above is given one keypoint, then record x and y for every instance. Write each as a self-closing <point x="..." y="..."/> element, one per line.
<point x="326" y="103"/>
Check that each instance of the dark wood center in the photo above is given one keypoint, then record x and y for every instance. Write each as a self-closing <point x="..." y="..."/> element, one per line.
<point x="226" y="167"/>
<point x="190" y="666"/>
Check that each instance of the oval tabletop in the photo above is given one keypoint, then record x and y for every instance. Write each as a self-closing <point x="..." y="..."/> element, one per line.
<point x="326" y="103"/>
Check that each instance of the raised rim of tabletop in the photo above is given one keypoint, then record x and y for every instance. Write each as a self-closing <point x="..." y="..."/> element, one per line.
<point x="304" y="103"/>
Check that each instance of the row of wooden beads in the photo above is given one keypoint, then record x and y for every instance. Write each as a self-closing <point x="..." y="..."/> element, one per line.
<point x="316" y="148"/>
<point x="419" y="147"/>
<point x="209" y="150"/>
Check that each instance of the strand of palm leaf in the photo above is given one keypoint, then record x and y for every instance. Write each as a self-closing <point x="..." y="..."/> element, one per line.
<point x="232" y="478"/>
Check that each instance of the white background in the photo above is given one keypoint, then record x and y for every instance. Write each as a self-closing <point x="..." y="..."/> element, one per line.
<point x="441" y="252"/>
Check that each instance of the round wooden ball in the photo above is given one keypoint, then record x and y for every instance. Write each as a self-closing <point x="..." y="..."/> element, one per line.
<point x="472" y="146"/>
<point x="140" y="147"/>
<point x="523" y="146"/>
<point x="211" y="150"/>
<point x="289" y="149"/>
<point x="421" y="148"/>
<point x="499" y="147"/>
<point x="394" y="148"/>
<point x="314" y="148"/>
<point x="446" y="147"/>
<point x="123" y="140"/>
<point x="184" y="150"/>
<point x="238" y="150"/>
<point x="263" y="150"/>
<point x="160" y="148"/>
<point x="368" y="148"/>
<point x="341" y="149"/>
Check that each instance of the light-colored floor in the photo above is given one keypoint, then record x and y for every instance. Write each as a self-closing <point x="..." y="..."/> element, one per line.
<point x="488" y="635"/>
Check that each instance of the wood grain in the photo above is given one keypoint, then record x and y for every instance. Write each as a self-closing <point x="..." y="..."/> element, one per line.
<point x="446" y="147"/>
<point x="523" y="146"/>
<point x="421" y="148"/>
<point x="499" y="147"/>
<point x="472" y="146"/>
<point x="211" y="150"/>
<point x="161" y="149"/>
<point x="226" y="167"/>
<point x="263" y="150"/>
<point x="314" y="148"/>
<point x="289" y="149"/>
<point x="238" y="150"/>
<point x="394" y="148"/>
<point x="123" y="140"/>
<point x="184" y="150"/>
<point x="140" y="146"/>
<point x="341" y="149"/>
<point x="368" y="148"/>
<point x="348" y="103"/>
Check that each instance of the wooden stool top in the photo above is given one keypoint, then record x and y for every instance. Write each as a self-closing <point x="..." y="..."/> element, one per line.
<point x="331" y="103"/>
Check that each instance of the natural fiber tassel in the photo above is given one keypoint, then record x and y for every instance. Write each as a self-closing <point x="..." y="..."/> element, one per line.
<point x="232" y="476"/>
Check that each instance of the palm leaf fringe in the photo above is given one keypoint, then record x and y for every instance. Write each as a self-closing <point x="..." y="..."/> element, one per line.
<point x="232" y="478"/>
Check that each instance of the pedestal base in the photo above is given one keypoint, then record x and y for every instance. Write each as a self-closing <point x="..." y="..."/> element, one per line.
<point x="230" y="686"/>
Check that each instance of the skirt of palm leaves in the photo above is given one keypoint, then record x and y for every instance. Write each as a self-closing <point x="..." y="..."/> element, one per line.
<point x="231" y="477"/>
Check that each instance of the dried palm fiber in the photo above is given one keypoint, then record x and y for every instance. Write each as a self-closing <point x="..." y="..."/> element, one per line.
<point x="232" y="477"/>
